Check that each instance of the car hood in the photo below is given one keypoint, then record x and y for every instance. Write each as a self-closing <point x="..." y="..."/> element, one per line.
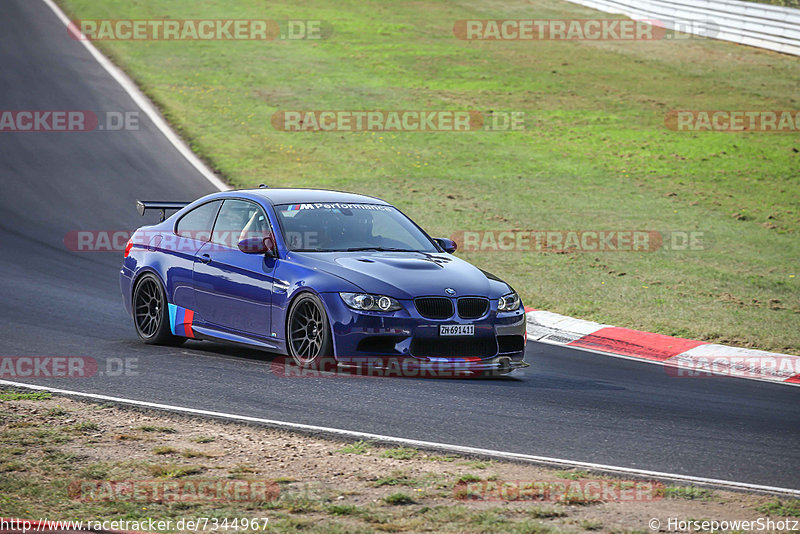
<point x="406" y="275"/>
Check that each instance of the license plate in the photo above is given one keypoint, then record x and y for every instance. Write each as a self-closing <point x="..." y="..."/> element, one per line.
<point x="456" y="330"/>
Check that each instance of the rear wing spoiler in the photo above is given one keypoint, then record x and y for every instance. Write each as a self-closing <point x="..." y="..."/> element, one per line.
<point x="143" y="206"/>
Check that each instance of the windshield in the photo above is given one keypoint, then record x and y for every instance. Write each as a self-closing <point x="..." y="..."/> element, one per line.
<point x="324" y="227"/>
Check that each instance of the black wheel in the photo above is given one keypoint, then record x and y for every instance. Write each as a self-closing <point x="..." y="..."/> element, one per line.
<point x="150" y="313"/>
<point x="308" y="335"/>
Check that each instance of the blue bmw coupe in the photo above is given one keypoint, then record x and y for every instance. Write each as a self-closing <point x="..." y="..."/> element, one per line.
<point x="320" y="276"/>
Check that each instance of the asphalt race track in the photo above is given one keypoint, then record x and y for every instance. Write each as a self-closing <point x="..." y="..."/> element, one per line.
<point x="569" y="404"/>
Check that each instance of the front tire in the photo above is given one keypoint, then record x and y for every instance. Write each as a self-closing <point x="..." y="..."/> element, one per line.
<point x="150" y="314"/>
<point x="309" y="339"/>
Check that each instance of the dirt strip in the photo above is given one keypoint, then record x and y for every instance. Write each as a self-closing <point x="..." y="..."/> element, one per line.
<point x="66" y="459"/>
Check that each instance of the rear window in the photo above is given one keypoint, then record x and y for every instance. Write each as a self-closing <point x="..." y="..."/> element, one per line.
<point x="197" y="223"/>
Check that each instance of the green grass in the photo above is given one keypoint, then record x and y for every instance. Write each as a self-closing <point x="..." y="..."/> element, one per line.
<point x="191" y="453"/>
<point x="343" y="509"/>
<point x="13" y="395"/>
<point x="243" y="469"/>
<point x="595" y="153"/>
<point x="545" y="513"/>
<point x="790" y="508"/>
<point x="588" y="524"/>
<point x="399" y="498"/>
<point x="686" y="492"/>
<point x="358" y="447"/>
<point x="13" y="465"/>
<point x="440" y="458"/>
<point x="787" y="3"/>
<point x="397" y="479"/>
<point x="400" y="453"/>
<point x="478" y="464"/>
<point x="174" y="470"/>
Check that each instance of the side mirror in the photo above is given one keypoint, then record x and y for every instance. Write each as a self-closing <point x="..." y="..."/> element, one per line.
<point x="258" y="245"/>
<point x="448" y="245"/>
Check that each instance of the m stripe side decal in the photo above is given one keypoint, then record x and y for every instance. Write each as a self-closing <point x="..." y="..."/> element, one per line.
<point x="172" y="313"/>
<point x="187" y="326"/>
<point x="180" y="321"/>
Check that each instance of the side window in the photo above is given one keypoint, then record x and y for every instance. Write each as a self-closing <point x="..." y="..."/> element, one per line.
<point x="237" y="220"/>
<point x="197" y="223"/>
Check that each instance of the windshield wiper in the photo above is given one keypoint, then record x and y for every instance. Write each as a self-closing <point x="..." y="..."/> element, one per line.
<point x="380" y="249"/>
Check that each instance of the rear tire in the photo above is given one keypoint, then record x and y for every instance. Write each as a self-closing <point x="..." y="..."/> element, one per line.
<point x="150" y="313"/>
<point x="308" y="336"/>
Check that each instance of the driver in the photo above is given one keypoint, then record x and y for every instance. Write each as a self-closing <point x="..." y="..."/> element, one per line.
<point x="360" y="227"/>
<point x="255" y="227"/>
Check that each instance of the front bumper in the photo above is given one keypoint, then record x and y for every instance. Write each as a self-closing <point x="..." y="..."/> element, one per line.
<point x="406" y="343"/>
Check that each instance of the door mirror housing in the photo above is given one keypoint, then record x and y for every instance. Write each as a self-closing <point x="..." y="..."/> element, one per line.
<point x="448" y="245"/>
<point x="258" y="245"/>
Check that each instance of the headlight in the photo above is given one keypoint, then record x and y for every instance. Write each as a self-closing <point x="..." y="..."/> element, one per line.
<point x="367" y="302"/>
<point x="508" y="303"/>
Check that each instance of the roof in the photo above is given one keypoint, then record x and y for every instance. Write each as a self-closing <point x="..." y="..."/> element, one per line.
<point x="296" y="196"/>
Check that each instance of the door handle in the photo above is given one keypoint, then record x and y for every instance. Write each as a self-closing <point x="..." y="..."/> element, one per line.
<point x="205" y="258"/>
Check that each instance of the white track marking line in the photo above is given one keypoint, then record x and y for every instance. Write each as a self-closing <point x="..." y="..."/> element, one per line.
<point x="418" y="443"/>
<point x="144" y="103"/>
